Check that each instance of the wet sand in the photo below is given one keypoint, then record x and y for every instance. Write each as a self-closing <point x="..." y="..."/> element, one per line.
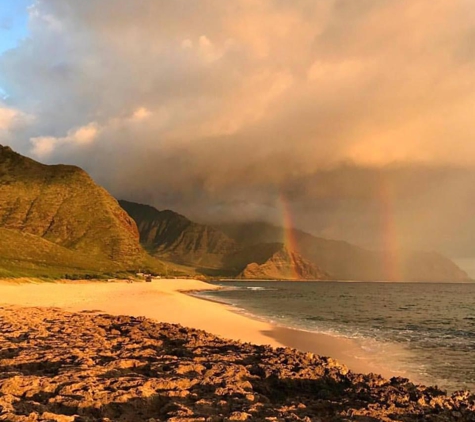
<point x="347" y="351"/>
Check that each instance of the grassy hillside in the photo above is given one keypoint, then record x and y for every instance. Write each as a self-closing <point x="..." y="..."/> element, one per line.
<point x="23" y="254"/>
<point x="55" y="220"/>
<point x="63" y="205"/>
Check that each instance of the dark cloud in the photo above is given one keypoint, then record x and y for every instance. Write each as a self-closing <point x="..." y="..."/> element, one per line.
<point x="346" y="109"/>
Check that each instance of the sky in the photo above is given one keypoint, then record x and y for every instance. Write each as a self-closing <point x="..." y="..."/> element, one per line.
<point x="13" y="23"/>
<point x="357" y="116"/>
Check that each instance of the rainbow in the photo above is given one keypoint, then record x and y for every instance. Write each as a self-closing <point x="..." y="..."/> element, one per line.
<point x="392" y="260"/>
<point x="391" y="250"/>
<point x="289" y="240"/>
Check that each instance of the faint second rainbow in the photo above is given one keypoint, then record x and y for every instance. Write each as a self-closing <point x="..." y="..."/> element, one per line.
<point x="392" y="263"/>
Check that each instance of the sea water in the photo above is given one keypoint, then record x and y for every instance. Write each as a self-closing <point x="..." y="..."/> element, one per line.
<point x="434" y="324"/>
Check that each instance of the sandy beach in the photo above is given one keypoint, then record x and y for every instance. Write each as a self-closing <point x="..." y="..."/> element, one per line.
<point x="165" y="301"/>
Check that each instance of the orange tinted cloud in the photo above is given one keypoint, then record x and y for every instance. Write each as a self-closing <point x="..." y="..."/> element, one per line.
<point x="223" y="101"/>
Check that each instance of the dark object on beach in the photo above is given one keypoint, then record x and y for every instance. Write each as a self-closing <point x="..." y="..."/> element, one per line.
<point x="148" y="278"/>
<point x="120" y="368"/>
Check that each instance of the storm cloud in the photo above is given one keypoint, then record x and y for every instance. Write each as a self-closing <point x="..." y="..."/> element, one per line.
<point x="348" y="110"/>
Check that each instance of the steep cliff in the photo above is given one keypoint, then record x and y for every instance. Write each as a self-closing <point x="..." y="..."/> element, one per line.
<point x="169" y="235"/>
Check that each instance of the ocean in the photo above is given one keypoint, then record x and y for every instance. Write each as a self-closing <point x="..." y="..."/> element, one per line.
<point x="433" y="324"/>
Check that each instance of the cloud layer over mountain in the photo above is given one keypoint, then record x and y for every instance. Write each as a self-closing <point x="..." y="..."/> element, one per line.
<point x="358" y="114"/>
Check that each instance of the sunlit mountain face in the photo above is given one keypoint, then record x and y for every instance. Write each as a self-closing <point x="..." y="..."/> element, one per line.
<point x="349" y="120"/>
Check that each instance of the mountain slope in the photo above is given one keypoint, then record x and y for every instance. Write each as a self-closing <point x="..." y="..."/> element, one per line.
<point x="345" y="261"/>
<point x="23" y="254"/>
<point x="255" y="250"/>
<point x="284" y="264"/>
<point x="64" y="207"/>
<point x="171" y="236"/>
<point x="431" y="266"/>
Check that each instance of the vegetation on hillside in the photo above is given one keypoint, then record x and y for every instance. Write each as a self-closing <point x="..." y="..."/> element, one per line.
<point x="56" y="222"/>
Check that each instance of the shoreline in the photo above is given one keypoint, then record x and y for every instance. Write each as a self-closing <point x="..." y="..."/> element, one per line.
<point x="347" y="351"/>
<point x="256" y="280"/>
<point x="172" y="301"/>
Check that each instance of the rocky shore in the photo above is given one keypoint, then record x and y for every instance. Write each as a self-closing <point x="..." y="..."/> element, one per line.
<point x="60" y="366"/>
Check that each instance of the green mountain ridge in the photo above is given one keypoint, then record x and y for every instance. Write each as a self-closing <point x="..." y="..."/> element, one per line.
<point x="24" y="255"/>
<point x="229" y="249"/>
<point x="69" y="221"/>
<point x="171" y="236"/>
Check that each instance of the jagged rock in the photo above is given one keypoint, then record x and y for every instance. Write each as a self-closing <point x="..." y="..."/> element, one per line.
<point x="239" y="416"/>
<point x="187" y="375"/>
<point x="57" y="418"/>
